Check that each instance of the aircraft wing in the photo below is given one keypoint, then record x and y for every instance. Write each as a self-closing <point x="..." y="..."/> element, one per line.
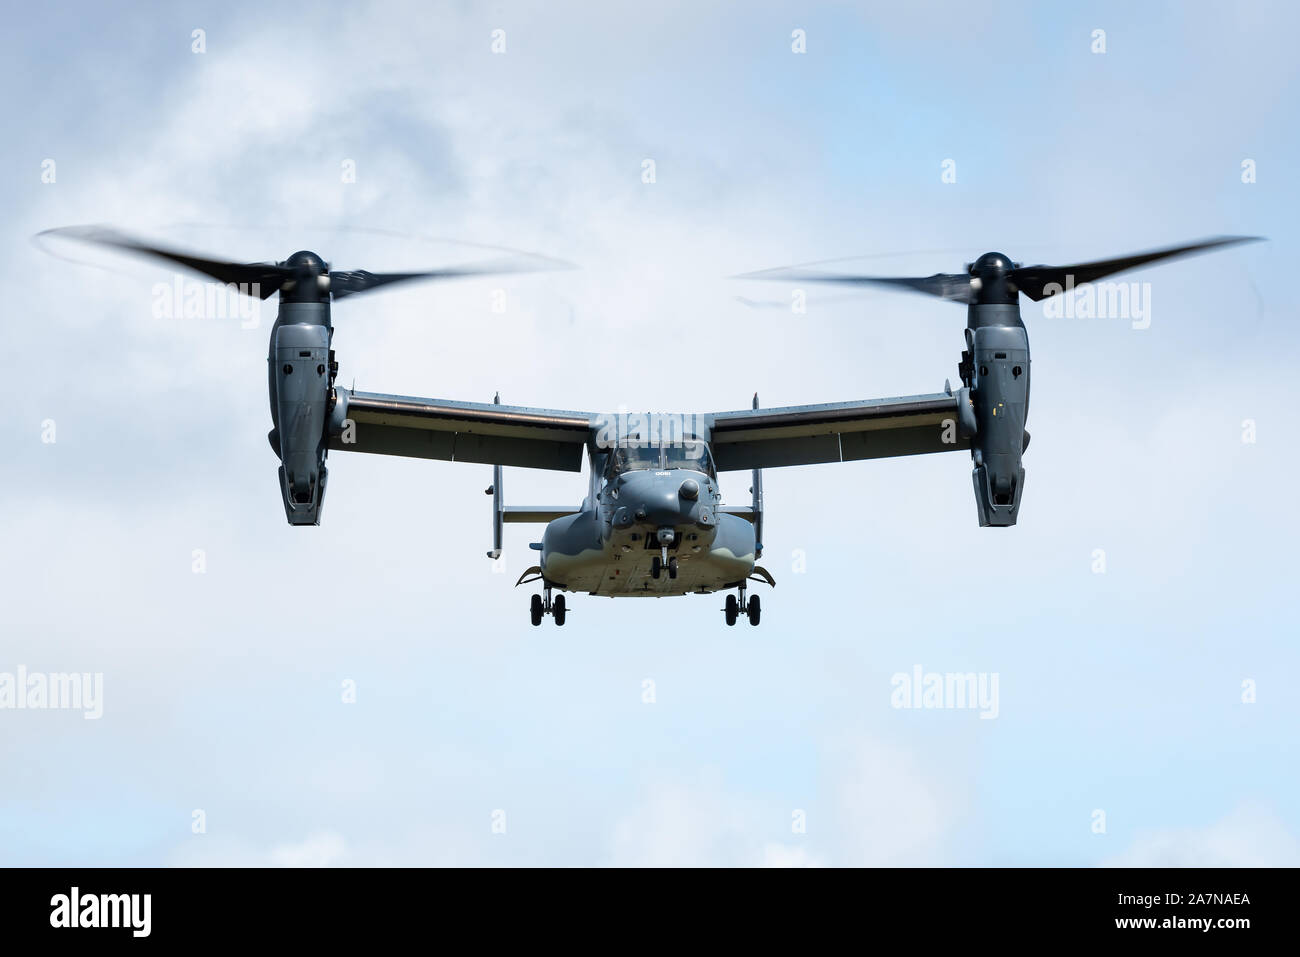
<point x="839" y="431"/>
<point x="480" y="432"/>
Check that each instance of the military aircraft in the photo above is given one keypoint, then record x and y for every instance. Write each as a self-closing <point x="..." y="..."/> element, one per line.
<point x="652" y="523"/>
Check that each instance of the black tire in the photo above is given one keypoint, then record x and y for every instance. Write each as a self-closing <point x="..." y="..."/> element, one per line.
<point x="754" y="610"/>
<point x="732" y="611"/>
<point x="655" y="567"/>
<point x="672" y="567"/>
<point x="557" y="609"/>
<point x="536" y="609"/>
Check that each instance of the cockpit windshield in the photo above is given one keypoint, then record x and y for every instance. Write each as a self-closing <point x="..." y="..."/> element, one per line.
<point x="688" y="454"/>
<point x="631" y="458"/>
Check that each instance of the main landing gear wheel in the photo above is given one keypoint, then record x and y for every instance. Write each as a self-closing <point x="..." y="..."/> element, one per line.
<point x="737" y="604"/>
<point x="541" y="607"/>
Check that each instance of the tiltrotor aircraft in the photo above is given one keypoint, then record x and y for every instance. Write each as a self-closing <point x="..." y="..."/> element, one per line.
<point x="652" y="522"/>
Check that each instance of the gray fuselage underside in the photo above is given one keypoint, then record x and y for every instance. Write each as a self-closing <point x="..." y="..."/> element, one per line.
<point x="611" y="549"/>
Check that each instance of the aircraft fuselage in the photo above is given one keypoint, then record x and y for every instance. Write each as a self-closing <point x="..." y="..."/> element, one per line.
<point x="646" y="519"/>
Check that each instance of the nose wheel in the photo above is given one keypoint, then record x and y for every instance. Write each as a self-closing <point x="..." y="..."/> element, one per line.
<point x="541" y="607"/>
<point x="657" y="565"/>
<point x="733" y="607"/>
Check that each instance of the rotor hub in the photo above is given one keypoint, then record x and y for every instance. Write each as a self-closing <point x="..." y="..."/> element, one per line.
<point x="311" y="278"/>
<point x="990" y="266"/>
<point x="991" y="280"/>
<point x="307" y="261"/>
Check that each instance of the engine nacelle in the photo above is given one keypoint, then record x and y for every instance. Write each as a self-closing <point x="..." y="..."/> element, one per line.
<point x="300" y="377"/>
<point x="998" y="367"/>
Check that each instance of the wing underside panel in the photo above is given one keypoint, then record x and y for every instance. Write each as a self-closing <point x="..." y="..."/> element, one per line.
<point x="482" y="433"/>
<point x="491" y="434"/>
<point x="837" y="432"/>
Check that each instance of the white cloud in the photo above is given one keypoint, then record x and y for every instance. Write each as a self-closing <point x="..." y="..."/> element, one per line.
<point x="885" y="810"/>
<point x="1251" y="835"/>
<point x="685" y="823"/>
<point x="891" y="811"/>
<point x="789" y="855"/>
<point x="325" y="849"/>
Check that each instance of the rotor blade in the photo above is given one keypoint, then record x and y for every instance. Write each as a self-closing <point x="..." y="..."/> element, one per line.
<point x="955" y="287"/>
<point x="265" y="277"/>
<point x="347" y="283"/>
<point x="1034" y="280"/>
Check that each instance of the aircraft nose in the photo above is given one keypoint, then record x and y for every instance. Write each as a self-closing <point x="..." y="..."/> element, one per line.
<point x="664" y="500"/>
<point x="665" y="507"/>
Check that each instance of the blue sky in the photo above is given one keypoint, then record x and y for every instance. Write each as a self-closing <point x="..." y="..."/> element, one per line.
<point x="1119" y="692"/>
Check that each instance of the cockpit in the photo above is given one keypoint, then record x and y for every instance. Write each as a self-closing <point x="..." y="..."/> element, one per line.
<point x="690" y="454"/>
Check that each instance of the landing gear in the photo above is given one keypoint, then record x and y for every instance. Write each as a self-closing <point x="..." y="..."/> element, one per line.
<point x="657" y="565"/>
<point x="735" y="605"/>
<point x="548" y="606"/>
